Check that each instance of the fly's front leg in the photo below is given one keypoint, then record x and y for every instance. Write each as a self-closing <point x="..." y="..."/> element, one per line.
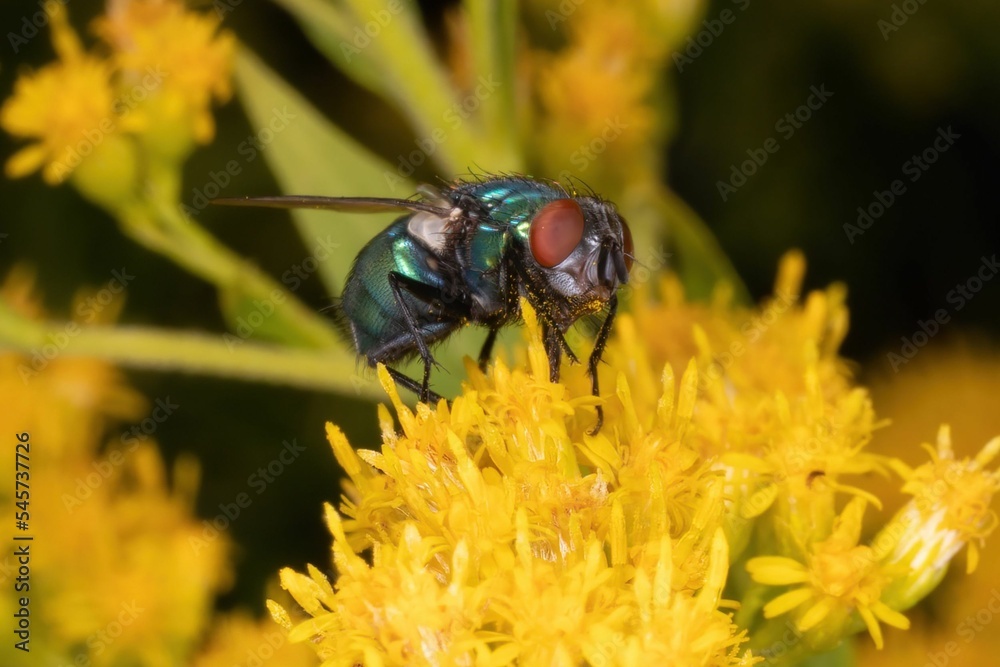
<point x="487" y="349"/>
<point x="595" y="357"/>
<point x="413" y="385"/>
<point x="553" y="350"/>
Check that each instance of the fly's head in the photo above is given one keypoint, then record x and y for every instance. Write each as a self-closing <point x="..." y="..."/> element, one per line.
<point x="580" y="250"/>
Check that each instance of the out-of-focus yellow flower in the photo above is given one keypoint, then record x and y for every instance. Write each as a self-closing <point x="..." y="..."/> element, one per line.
<point x="127" y="576"/>
<point x="597" y="93"/>
<point x="839" y="578"/>
<point x="180" y="59"/>
<point x="238" y="640"/>
<point x="960" y="378"/>
<point x="120" y="570"/>
<point x="166" y="66"/>
<point x="65" y="402"/>
<point x="67" y="107"/>
<point x="950" y="509"/>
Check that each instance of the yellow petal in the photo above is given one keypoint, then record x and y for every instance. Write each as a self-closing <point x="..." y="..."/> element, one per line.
<point x="777" y="570"/>
<point x="816" y="614"/>
<point x="888" y="615"/>
<point x="786" y="602"/>
<point x="25" y="161"/>
<point x="873" y="627"/>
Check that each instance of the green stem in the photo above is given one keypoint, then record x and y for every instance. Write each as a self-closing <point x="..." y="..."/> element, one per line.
<point x="166" y="231"/>
<point x="229" y="356"/>
<point x="703" y="261"/>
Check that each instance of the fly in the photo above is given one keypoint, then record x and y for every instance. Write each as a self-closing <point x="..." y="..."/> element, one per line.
<point x="467" y="254"/>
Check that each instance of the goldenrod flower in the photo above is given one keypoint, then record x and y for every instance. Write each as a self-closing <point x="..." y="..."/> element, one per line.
<point x="124" y="572"/>
<point x="166" y="66"/>
<point x="950" y="509"/>
<point x="503" y="534"/>
<point x="129" y="574"/>
<point x="61" y="400"/>
<point x="67" y="107"/>
<point x="597" y="93"/>
<point x="777" y="406"/>
<point x="239" y="640"/>
<point x="179" y="59"/>
<point x="840" y="577"/>
<point x="499" y="510"/>
<point x="958" y="378"/>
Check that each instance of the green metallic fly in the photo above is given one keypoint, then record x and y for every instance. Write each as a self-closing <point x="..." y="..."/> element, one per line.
<point x="466" y="254"/>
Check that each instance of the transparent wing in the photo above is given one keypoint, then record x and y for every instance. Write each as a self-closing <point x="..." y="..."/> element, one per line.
<point x="343" y="204"/>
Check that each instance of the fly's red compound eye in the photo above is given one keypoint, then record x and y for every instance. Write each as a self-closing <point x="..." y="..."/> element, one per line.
<point x="556" y="230"/>
<point x="627" y="246"/>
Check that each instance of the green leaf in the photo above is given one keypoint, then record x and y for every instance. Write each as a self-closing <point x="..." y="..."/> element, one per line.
<point x="310" y="156"/>
<point x="384" y="47"/>
<point x="493" y="26"/>
<point x="341" y="39"/>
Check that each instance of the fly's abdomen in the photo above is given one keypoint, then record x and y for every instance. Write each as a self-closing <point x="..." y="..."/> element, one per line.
<point x="370" y="312"/>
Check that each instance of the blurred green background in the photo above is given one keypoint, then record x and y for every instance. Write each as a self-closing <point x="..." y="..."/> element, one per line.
<point x="890" y="97"/>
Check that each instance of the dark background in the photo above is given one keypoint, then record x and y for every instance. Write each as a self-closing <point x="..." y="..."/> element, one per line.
<point x="941" y="69"/>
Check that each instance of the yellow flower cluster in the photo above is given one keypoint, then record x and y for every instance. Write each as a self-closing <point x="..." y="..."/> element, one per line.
<point x="597" y="94"/>
<point x="115" y="578"/>
<point x="501" y="532"/>
<point x="150" y="94"/>
<point x="960" y="377"/>
<point x="112" y="575"/>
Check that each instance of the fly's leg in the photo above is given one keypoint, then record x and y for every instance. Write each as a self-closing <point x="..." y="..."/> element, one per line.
<point x="487" y="350"/>
<point x="396" y="283"/>
<point x="433" y="297"/>
<point x="413" y="385"/>
<point x="595" y="358"/>
<point x="553" y="350"/>
<point x="551" y="335"/>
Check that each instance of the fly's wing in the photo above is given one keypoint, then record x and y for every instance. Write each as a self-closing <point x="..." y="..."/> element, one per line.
<point x="342" y="204"/>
